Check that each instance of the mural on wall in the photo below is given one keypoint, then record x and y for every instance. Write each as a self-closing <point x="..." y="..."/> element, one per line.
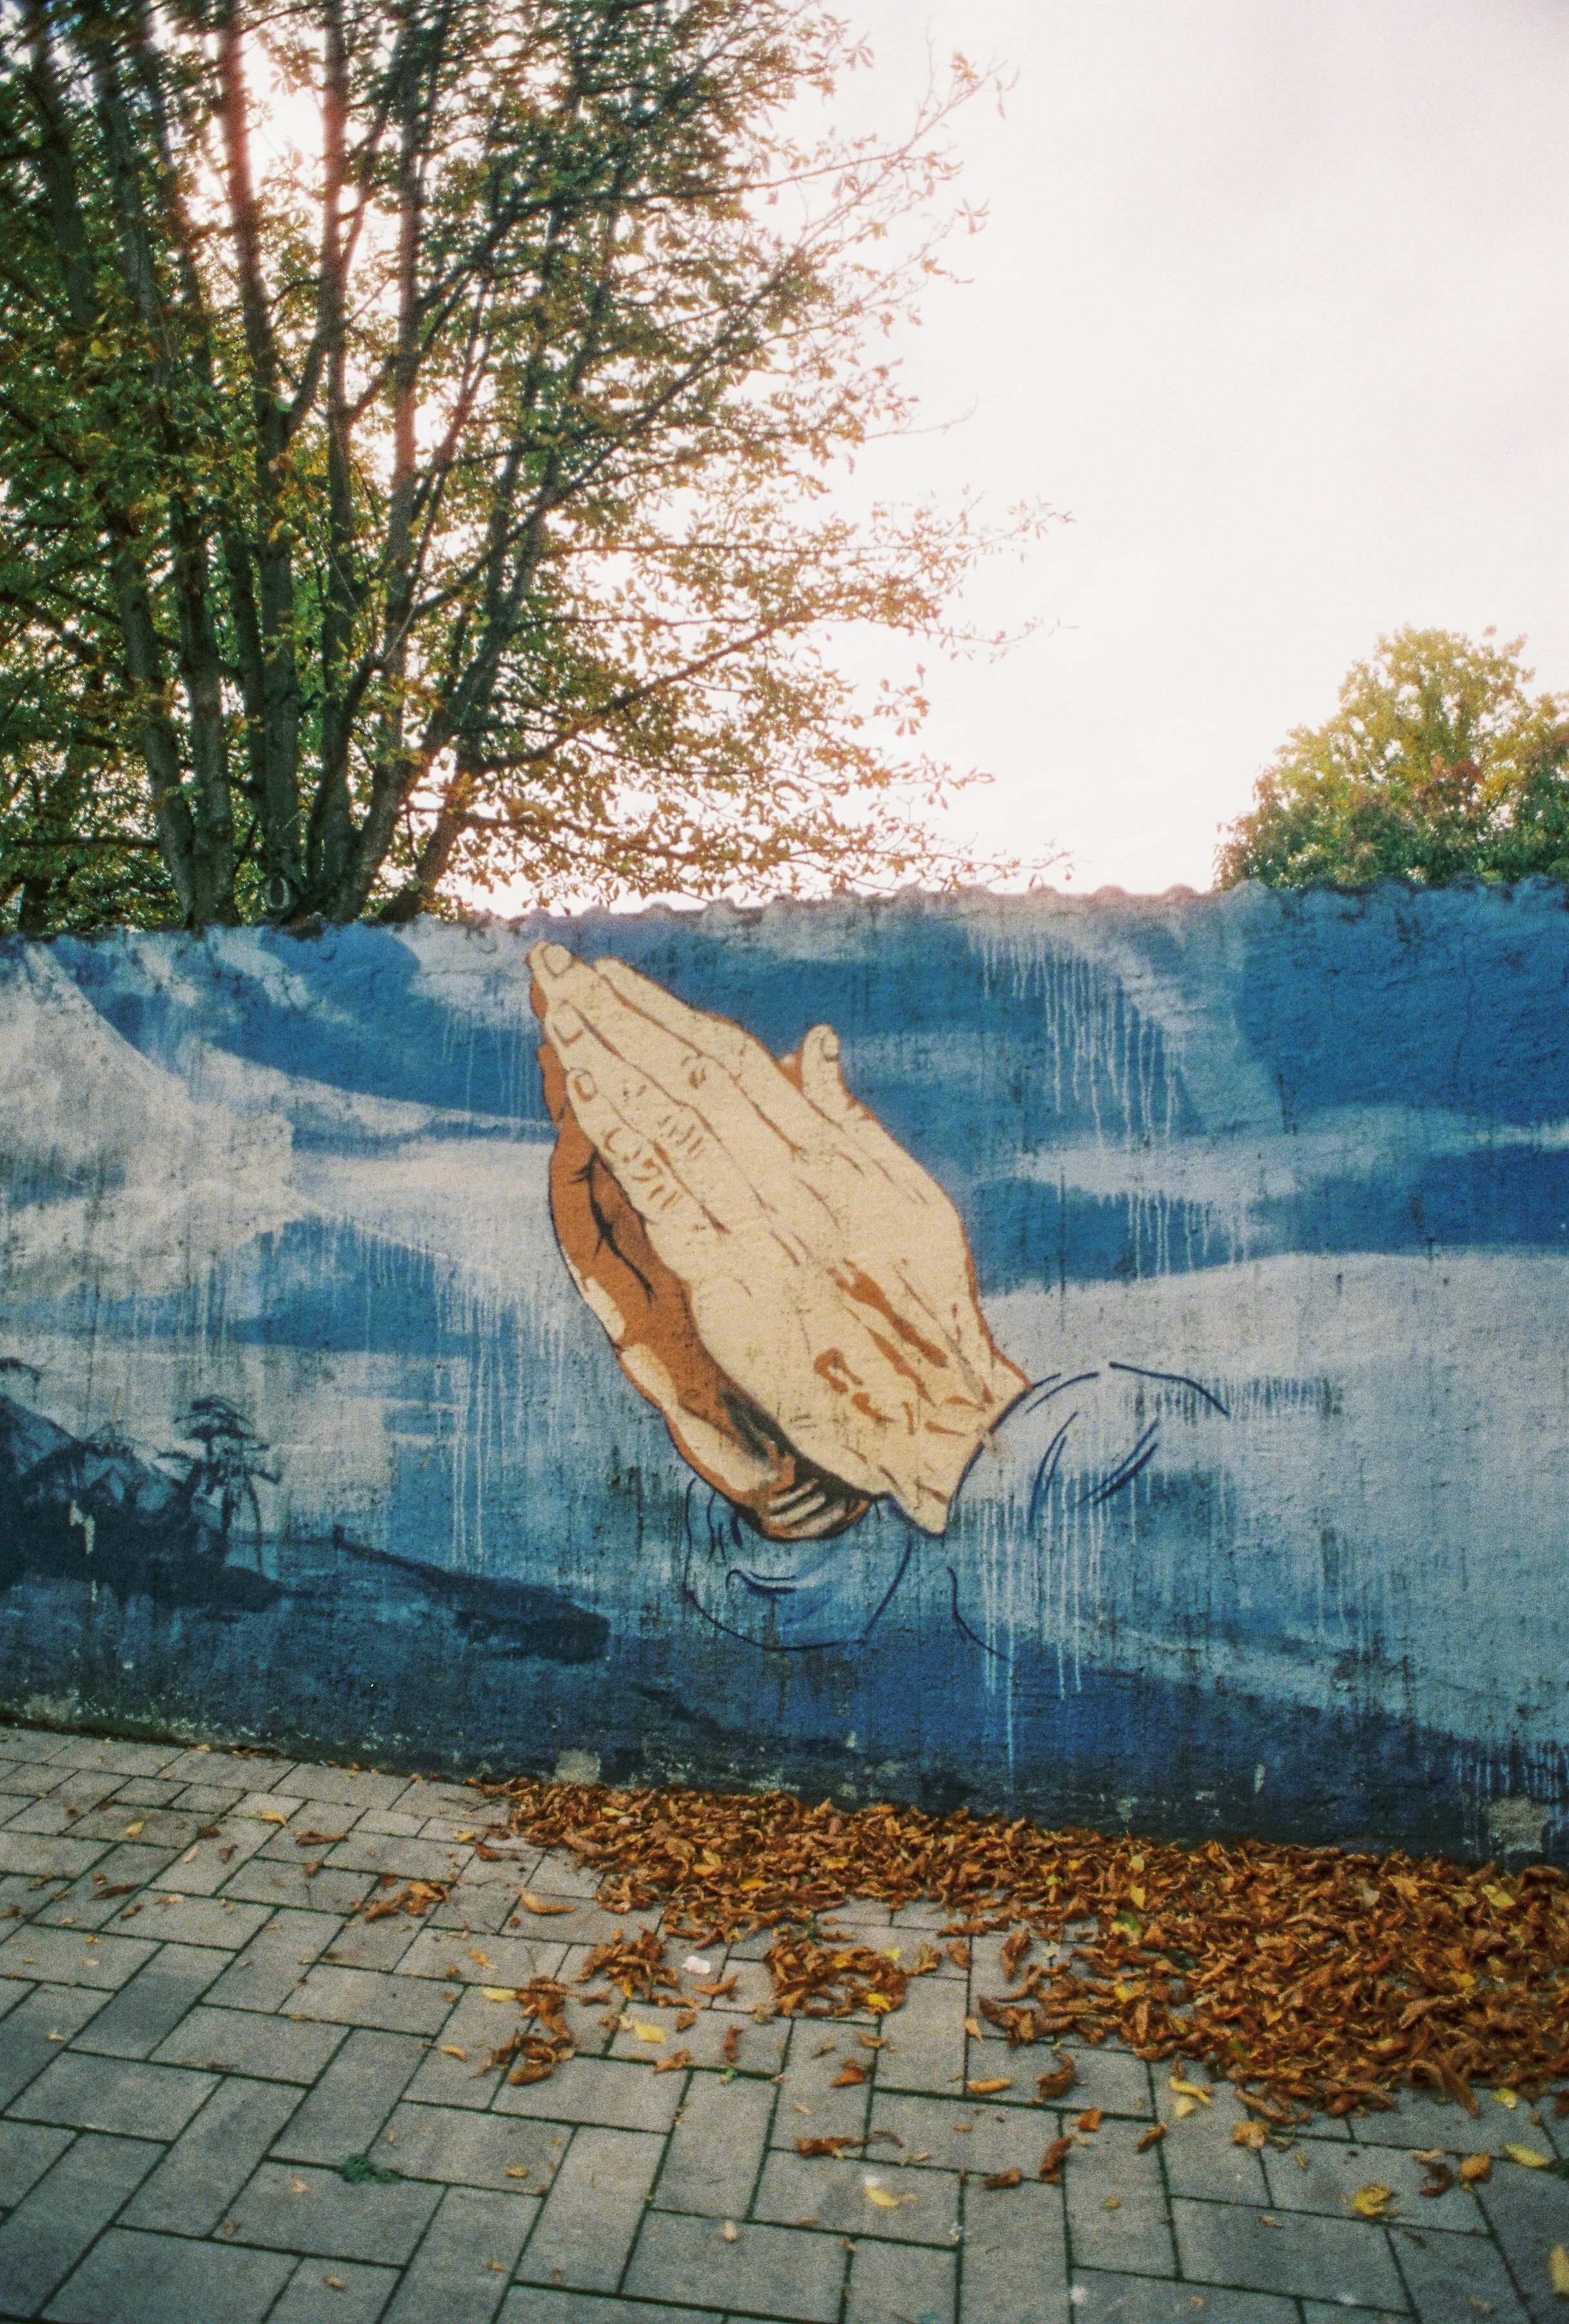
<point x="1106" y="1358"/>
<point x="798" y="1298"/>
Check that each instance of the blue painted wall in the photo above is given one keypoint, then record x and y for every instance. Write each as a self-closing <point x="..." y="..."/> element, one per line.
<point x="306" y="1434"/>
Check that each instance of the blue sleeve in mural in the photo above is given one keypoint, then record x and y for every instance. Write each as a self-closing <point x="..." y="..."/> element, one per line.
<point x="1105" y="1360"/>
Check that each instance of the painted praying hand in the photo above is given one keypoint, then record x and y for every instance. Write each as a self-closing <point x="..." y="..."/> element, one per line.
<point x="775" y="1272"/>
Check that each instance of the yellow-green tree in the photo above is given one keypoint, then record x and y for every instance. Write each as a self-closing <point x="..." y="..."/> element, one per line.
<point x="1438" y="764"/>
<point x="414" y="417"/>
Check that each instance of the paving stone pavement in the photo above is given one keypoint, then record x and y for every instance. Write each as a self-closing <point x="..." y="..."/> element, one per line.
<point x="195" y="2035"/>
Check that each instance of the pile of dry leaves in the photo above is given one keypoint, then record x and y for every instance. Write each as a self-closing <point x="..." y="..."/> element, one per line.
<point x="1329" y="1978"/>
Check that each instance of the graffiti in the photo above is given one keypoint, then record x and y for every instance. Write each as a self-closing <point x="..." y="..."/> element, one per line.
<point x="1031" y="1352"/>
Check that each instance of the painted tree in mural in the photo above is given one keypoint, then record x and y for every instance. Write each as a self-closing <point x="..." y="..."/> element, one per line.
<point x="413" y="428"/>
<point x="1437" y="764"/>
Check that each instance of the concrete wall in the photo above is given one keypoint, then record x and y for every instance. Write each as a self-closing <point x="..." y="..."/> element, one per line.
<point x="308" y="1435"/>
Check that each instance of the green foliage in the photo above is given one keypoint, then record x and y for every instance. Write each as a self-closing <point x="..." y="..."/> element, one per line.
<point x="414" y="417"/>
<point x="1438" y="765"/>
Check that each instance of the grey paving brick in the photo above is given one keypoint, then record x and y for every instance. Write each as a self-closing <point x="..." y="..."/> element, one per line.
<point x="1324" y="2311"/>
<point x="26" y="2151"/>
<point x="502" y="1961"/>
<point x="218" y="1921"/>
<point x="34" y="1777"/>
<point x="814" y="2189"/>
<point x="94" y="1753"/>
<point x="407" y="1859"/>
<point x="252" y="1774"/>
<point x="1201" y="2156"/>
<point x="358" y="1996"/>
<point x="154" y="2001"/>
<point x="388" y="1820"/>
<point x="264" y="1881"/>
<point x="1106" y="2169"/>
<point x="334" y="2291"/>
<point x="150" y="1792"/>
<point x="585" y="1924"/>
<point x="80" y="1795"/>
<point x="471" y="2032"/>
<point x="40" y="1854"/>
<point x="153" y="1827"/>
<point x="23" y="1742"/>
<point x="959" y="2134"/>
<point x="485" y="1911"/>
<point x="1421" y="2121"/>
<point x="508" y="2155"/>
<point x="48" y="2232"/>
<point x="87" y="1902"/>
<point x="753" y="1987"/>
<point x="292" y="2207"/>
<point x="1015" y="2256"/>
<point x="597" y="2090"/>
<point x="345" y="2110"/>
<point x="810" y="2106"/>
<point x="272" y="1968"/>
<point x="1112" y="2079"/>
<point x="208" y="1800"/>
<point x="714" y="2151"/>
<point x="126" y="2094"/>
<point x="1458" y="2279"/>
<point x="783" y="2272"/>
<point x="377" y="1945"/>
<point x="135" y="2279"/>
<point x="925" y="2040"/>
<point x="759" y="2049"/>
<point x="1528" y="2212"/>
<point x="534" y="2306"/>
<point x="1345" y="2260"/>
<point x="461" y="2271"/>
<point x="213" y="2157"/>
<point x="35" y="2033"/>
<point x="1098" y="2299"/>
<point x="61" y="1957"/>
<point x="343" y="1786"/>
<point x="427" y="1795"/>
<point x="209" y="1864"/>
<point x="1319" y="2174"/>
<point x="240" y="2042"/>
<point x="593" y="2210"/>
<point x="557" y="1874"/>
<point x="906" y="2280"/>
<point x="14" y="1993"/>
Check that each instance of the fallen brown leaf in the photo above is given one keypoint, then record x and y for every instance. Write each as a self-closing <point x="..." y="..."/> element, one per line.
<point x="1149" y="2138"/>
<point x="1321" y="1976"/>
<point x="849" y="2076"/>
<point x="1052" y="2161"/>
<point x="1440" y="2179"/>
<point x="1475" y="2170"/>
<point x="541" y="1904"/>
<point x="1014" y="2178"/>
<point x="674" y="2062"/>
<point x="1059" y="2082"/>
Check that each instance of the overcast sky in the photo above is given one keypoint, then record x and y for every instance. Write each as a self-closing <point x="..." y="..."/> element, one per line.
<point x="1272" y="299"/>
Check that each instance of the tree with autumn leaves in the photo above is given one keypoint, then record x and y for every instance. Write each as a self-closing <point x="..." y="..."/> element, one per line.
<point x="415" y="419"/>
<point x="1438" y="764"/>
